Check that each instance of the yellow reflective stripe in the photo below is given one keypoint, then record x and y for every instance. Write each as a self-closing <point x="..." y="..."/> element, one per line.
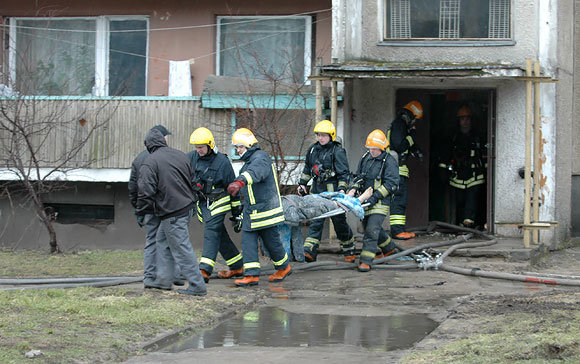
<point x="342" y="184"/>
<point x="330" y="187"/>
<point x="378" y="211"/>
<point x="277" y="186"/>
<point x="368" y="254"/>
<point x="268" y="222"/>
<point x="217" y="211"/>
<point x="199" y="214"/>
<point x="305" y="177"/>
<point x="475" y="183"/>
<point x="311" y="242"/>
<point x="404" y="171"/>
<point x="234" y="259"/>
<point x="385" y="243"/>
<point x="252" y="265"/>
<point x="410" y="140"/>
<point x="251" y="195"/>
<point x="398" y="219"/>
<point x="281" y="261"/>
<point x="207" y="261"/>
<point x="383" y="191"/>
<point x="472" y="153"/>
<point x="221" y="201"/>
<point x="442" y="165"/>
<point x="248" y="178"/>
<point x="236" y="203"/>
<point x="259" y="215"/>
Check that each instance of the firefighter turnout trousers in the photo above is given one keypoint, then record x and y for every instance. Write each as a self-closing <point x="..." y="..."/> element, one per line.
<point x="375" y="238"/>
<point x="216" y="239"/>
<point x="343" y="232"/>
<point x="399" y="207"/>
<point x="271" y="239"/>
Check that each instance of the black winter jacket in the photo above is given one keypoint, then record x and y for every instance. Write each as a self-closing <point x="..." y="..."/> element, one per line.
<point x="133" y="187"/>
<point x="165" y="179"/>
<point x="328" y="165"/>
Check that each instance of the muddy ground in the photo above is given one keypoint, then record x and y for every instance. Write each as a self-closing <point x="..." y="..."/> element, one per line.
<point x="456" y="303"/>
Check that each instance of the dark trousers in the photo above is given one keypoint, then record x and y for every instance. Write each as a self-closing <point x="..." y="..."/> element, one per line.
<point x="343" y="232"/>
<point x="466" y="204"/>
<point x="271" y="239"/>
<point x="216" y="239"/>
<point x="374" y="236"/>
<point x="399" y="208"/>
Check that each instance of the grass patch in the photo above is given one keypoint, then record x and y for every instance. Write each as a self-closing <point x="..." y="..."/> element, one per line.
<point x="544" y="329"/>
<point x="97" y="325"/>
<point x="20" y="264"/>
<point x="94" y="325"/>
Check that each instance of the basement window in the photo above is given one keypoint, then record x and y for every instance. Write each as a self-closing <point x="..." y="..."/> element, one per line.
<point x="65" y="213"/>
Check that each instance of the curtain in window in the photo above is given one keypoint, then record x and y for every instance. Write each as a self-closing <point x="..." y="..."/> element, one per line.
<point x="270" y="49"/>
<point x="55" y="62"/>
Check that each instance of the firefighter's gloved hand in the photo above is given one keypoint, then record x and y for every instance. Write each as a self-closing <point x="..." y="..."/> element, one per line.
<point x="302" y="190"/>
<point x="236" y="211"/>
<point x="372" y="200"/>
<point x="141" y="220"/>
<point x="235" y="187"/>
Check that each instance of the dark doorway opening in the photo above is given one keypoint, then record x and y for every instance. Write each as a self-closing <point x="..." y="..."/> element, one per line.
<point x="431" y="197"/>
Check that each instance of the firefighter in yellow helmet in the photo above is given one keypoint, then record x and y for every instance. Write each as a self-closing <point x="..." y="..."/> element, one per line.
<point x="262" y="209"/>
<point x="213" y="173"/>
<point x="326" y="165"/>
<point x="464" y="167"/>
<point x="401" y="136"/>
<point x="377" y="169"/>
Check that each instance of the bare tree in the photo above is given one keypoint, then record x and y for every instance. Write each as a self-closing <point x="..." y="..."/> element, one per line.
<point x="42" y="139"/>
<point x="277" y="95"/>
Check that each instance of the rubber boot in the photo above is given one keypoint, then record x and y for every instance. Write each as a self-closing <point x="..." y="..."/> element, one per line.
<point x="350" y="258"/>
<point x="364" y="267"/>
<point x="404" y="236"/>
<point x="280" y="275"/>
<point x="205" y="275"/>
<point x="247" y="281"/>
<point x="230" y="273"/>
<point x="310" y="256"/>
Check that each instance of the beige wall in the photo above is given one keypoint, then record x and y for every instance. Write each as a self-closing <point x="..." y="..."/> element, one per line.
<point x="180" y="44"/>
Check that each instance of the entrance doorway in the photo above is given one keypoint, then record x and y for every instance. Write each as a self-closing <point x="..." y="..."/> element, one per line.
<point x="431" y="198"/>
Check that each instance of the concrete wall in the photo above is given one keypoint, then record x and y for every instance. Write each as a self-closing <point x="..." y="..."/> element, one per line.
<point x="21" y="229"/>
<point x="370" y="24"/>
<point x="185" y="44"/>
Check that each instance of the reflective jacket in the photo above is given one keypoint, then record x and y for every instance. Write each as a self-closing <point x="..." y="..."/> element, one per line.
<point x="380" y="173"/>
<point x="213" y="174"/>
<point x="165" y="180"/>
<point x="262" y="204"/>
<point x="401" y="141"/>
<point x="465" y="161"/>
<point x="328" y="165"/>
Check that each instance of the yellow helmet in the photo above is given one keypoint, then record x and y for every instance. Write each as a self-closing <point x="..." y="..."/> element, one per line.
<point x="244" y="137"/>
<point x="463" y="111"/>
<point x="326" y="126"/>
<point x="202" y="136"/>
<point x="377" y="139"/>
<point x="416" y="108"/>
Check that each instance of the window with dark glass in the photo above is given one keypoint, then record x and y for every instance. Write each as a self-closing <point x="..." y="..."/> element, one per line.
<point x="447" y="19"/>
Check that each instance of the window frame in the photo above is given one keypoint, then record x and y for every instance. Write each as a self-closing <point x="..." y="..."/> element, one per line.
<point x="102" y="51"/>
<point x="307" y="38"/>
<point x="444" y="42"/>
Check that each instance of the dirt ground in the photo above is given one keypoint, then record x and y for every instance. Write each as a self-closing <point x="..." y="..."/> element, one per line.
<point x="471" y="313"/>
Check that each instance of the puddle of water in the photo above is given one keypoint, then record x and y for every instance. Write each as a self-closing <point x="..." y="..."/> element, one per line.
<point x="273" y="327"/>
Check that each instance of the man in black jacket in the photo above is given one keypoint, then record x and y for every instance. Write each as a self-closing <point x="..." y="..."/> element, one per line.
<point x="149" y="220"/>
<point x="165" y="188"/>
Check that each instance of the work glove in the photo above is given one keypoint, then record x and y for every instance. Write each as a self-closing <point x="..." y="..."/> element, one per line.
<point x="235" y="187"/>
<point x="141" y="220"/>
<point x="372" y="200"/>
<point x="236" y="211"/>
<point x="302" y="190"/>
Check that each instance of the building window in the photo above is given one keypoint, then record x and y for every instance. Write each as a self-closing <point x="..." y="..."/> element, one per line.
<point x="66" y="213"/>
<point x="447" y="19"/>
<point x="276" y="48"/>
<point x="79" y="56"/>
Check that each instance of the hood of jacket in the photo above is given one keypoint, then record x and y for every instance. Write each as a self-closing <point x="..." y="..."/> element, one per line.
<point x="154" y="140"/>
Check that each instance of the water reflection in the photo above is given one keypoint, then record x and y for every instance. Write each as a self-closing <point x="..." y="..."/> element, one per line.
<point x="271" y="326"/>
